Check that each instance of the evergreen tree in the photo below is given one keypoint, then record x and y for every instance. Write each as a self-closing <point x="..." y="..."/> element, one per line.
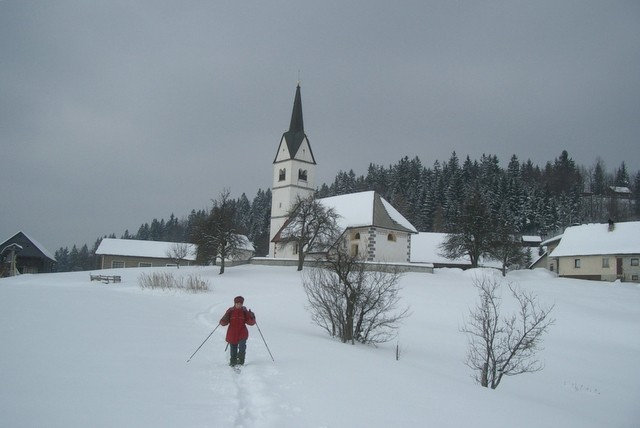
<point x="622" y="176"/>
<point x="63" y="263"/>
<point x="144" y="233"/>
<point x="260" y="222"/>
<point x="377" y="179"/>
<point x="599" y="183"/>
<point x="473" y="230"/>
<point x="243" y="215"/>
<point x="156" y="230"/>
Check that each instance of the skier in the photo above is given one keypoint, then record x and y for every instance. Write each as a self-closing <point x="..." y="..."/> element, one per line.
<point x="237" y="318"/>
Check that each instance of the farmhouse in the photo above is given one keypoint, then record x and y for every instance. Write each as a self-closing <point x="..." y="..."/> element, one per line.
<point x="605" y="252"/>
<point x="23" y="254"/>
<point x="126" y="253"/>
<point x="543" y="260"/>
<point x="370" y="226"/>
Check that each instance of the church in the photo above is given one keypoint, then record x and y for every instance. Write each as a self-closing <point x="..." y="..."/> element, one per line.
<point x="370" y="226"/>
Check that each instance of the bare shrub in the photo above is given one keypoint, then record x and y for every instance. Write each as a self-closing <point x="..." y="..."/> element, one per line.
<point x="353" y="302"/>
<point x="167" y="281"/>
<point x="504" y="346"/>
<point x="156" y="280"/>
<point x="195" y="284"/>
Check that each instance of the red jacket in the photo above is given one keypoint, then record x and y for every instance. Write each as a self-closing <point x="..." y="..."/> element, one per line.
<point x="237" y="320"/>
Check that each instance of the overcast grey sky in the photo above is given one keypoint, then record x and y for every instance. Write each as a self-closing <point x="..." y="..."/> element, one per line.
<point x="116" y="112"/>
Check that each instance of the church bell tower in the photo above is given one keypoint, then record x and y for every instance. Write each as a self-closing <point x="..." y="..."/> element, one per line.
<point x="293" y="175"/>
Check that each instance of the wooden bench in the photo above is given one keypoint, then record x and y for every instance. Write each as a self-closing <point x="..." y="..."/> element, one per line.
<point x="105" y="278"/>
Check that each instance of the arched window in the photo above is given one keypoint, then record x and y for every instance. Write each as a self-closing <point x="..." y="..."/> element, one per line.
<point x="302" y="174"/>
<point x="356" y="236"/>
<point x="283" y="174"/>
<point x="391" y="237"/>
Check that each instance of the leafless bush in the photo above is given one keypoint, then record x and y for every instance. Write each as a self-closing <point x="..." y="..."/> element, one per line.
<point x="504" y="346"/>
<point x="156" y="280"/>
<point x="352" y="302"/>
<point x="178" y="252"/>
<point x="195" y="284"/>
<point x="167" y="281"/>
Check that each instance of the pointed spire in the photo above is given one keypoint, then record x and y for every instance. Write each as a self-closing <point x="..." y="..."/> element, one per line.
<point x="296" y="115"/>
<point x="295" y="135"/>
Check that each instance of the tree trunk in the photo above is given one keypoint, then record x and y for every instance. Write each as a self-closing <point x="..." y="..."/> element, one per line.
<point x="484" y="380"/>
<point x="300" y="258"/>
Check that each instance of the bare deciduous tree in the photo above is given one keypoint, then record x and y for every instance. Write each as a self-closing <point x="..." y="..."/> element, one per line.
<point x="178" y="252"/>
<point x="216" y="236"/>
<point x="504" y="346"/>
<point x="353" y="302"/>
<point x="311" y="226"/>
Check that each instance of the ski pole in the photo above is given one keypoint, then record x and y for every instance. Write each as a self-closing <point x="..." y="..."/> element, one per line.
<point x="265" y="342"/>
<point x="203" y="343"/>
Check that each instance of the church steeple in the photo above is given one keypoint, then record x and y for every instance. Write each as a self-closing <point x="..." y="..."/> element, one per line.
<point x="293" y="174"/>
<point x="296" y="115"/>
<point x="295" y="136"/>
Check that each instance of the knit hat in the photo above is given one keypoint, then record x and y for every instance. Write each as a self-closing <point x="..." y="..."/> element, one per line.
<point x="238" y="299"/>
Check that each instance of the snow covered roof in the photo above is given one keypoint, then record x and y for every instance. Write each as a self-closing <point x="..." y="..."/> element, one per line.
<point x="620" y="189"/>
<point x="532" y="239"/>
<point x="38" y="245"/>
<point x="551" y="240"/>
<point x="367" y="209"/>
<point x="596" y="239"/>
<point x="425" y="248"/>
<point x="245" y="244"/>
<point x="135" y="248"/>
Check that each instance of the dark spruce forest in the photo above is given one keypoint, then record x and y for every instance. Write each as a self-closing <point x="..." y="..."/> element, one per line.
<point x="520" y="197"/>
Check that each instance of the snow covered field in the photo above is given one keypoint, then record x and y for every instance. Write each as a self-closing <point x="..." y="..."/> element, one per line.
<point x="76" y="353"/>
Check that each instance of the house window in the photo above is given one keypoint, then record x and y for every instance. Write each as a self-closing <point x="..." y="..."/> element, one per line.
<point x="576" y="263"/>
<point x="144" y="264"/>
<point x="115" y="264"/>
<point x="354" y="250"/>
<point x="634" y="262"/>
<point x="634" y="277"/>
<point x="356" y="236"/>
<point x="302" y="174"/>
<point x="295" y="248"/>
<point x="282" y="175"/>
<point x="391" y="237"/>
<point x="605" y="262"/>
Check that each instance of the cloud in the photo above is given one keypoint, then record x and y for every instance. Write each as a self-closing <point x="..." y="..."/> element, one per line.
<point x="113" y="113"/>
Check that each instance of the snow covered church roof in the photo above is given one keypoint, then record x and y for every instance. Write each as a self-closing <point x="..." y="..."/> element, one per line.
<point x="136" y="248"/>
<point x="367" y="209"/>
<point x="596" y="239"/>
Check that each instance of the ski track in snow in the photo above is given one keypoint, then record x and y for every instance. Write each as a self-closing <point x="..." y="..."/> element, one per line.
<point x="255" y="408"/>
<point x="241" y="395"/>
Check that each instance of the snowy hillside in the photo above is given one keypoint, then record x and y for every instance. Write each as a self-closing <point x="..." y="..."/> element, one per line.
<point x="77" y="353"/>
